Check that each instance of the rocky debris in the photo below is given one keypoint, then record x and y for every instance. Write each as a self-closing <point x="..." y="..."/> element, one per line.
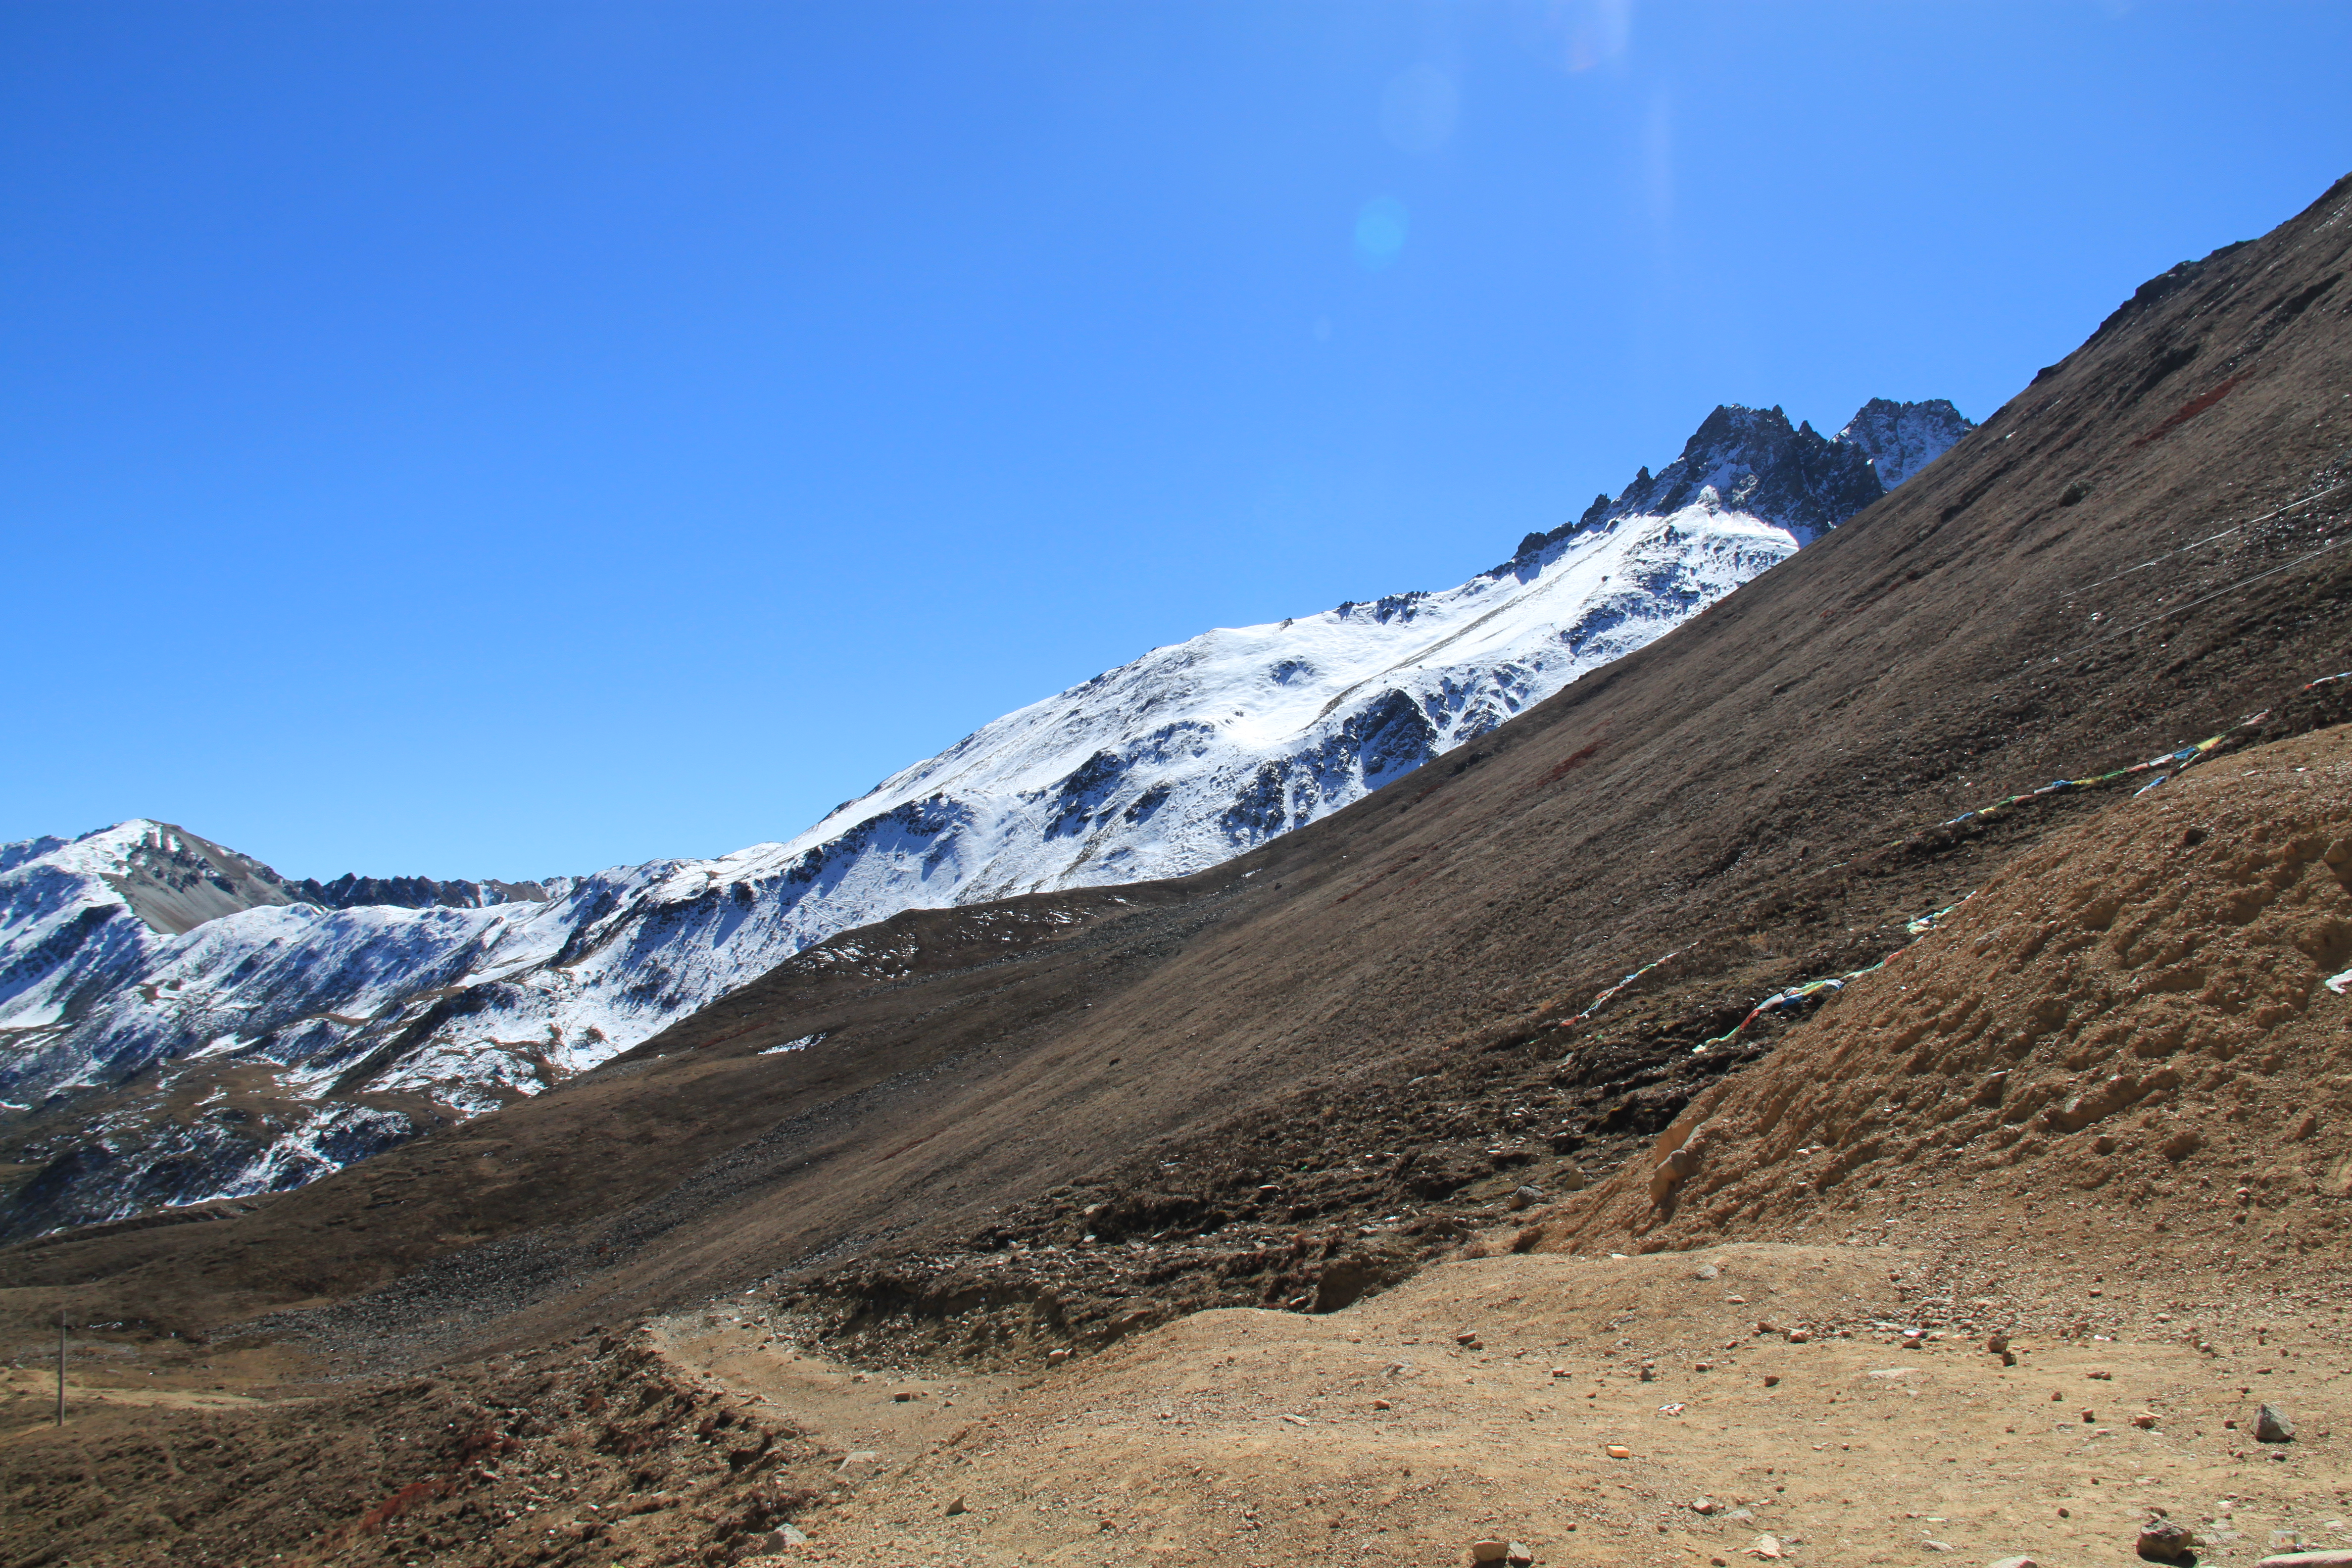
<point x="1306" y="1205"/>
<point x="1768" y="1547"/>
<point x="1493" y="1549"/>
<point x="2272" y="1426"/>
<point x="2014" y="1563"/>
<point x="582" y="1451"/>
<point x="955" y="1508"/>
<point x="1619" y="1451"/>
<point x="2162" y="1541"/>
<point x="858" y="1464"/>
<point x="2307" y="1560"/>
<point x="776" y="1543"/>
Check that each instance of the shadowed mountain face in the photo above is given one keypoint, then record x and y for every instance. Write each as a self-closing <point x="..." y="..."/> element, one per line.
<point x="2138" y="551"/>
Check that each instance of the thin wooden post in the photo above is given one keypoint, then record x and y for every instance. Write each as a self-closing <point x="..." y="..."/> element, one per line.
<point x="61" y="1366"/>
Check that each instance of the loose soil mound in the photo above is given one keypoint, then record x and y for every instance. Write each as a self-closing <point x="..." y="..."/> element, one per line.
<point x="2123" y="1043"/>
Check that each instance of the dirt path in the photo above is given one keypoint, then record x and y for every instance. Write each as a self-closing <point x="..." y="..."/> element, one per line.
<point x="892" y="1417"/>
<point x="1261" y="1437"/>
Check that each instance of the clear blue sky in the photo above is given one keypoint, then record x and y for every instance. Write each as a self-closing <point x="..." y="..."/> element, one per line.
<point x="497" y="439"/>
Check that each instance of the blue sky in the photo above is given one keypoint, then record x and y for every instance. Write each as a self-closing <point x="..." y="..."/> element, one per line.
<point x="495" y="440"/>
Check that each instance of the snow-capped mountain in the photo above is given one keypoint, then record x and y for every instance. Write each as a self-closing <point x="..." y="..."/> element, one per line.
<point x="177" y="1022"/>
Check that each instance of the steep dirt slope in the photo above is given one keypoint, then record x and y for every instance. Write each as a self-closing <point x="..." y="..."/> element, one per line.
<point x="2137" y="552"/>
<point x="2131" y="1029"/>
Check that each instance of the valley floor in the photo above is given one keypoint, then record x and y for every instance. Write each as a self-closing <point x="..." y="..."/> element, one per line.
<point x="1372" y="1435"/>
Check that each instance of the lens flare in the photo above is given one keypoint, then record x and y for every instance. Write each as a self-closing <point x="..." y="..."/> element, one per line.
<point x="1380" y="232"/>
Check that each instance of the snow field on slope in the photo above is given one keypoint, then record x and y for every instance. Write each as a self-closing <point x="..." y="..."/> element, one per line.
<point x="1168" y="765"/>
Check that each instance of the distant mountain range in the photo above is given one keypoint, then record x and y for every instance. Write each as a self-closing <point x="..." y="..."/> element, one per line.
<point x="178" y="1022"/>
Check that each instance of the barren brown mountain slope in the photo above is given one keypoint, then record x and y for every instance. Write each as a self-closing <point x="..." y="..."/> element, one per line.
<point x="2127" y="1045"/>
<point x="1352" y="1024"/>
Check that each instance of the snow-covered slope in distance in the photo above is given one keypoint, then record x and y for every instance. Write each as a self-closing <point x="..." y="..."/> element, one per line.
<point x="158" y="1062"/>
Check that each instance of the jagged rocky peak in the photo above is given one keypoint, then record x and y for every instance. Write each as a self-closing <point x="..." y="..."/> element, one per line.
<point x="350" y="891"/>
<point x="1901" y="438"/>
<point x="1792" y="477"/>
<point x="1757" y="463"/>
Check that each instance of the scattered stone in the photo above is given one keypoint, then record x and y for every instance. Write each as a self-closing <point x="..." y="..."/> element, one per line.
<point x="1936" y="1546"/>
<point x="859" y="1462"/>
<point x="1771" y="1380"/>
<point x="1702" y="1366"/>
<point x="2145" y="1420"/>
<point x="2089" y="1416"/>
<point x="1768" y="1547"/>
<point x="2014" y="1563"/>
<point x="1702" y="1505"/>
<point x="1467" y="1340"/>
<point x="1519" y="1556"/>
<point x="2307" y="1560"/>
<point x="1491" y="1550"/>
<point x="2271" y="1425"/>
<point x="2101" y="1376"/>
<point x="2161" y="1540"/>
<point x="1708" y="1271"/>
<point x="1649" y="1371"/>
<point x="1559" y="1372"/>
<point x="771" y="1546"/>
<point x="1997" y="1343"/>
<point x="1619" y="1451"/>
<point x="1056" y="1358"/>
<point x="955" y="1508"/>
<point x="1527" y="1197"/>
<point x="1381" y="1404"/>
<point x="1799" y="1336"/>
<point x="904" y="1395"/>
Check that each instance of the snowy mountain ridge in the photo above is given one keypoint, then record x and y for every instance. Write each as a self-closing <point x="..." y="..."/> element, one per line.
<point x="179" y="1023"/>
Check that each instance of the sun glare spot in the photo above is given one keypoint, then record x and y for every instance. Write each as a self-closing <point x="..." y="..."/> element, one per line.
<point x="1380" y="232"/>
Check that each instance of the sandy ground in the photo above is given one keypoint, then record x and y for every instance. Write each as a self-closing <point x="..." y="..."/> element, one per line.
<point x="1261" y="1437"/>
